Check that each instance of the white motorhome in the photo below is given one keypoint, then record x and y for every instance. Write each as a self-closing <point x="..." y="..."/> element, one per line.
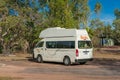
<point x="64" y="45"/>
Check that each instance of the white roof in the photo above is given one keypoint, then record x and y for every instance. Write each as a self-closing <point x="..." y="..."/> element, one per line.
<point x="61" y="32"/>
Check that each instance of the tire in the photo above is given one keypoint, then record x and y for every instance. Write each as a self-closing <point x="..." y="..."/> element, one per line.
<point x="39" y="59"/>
<point x="66" y="61"/>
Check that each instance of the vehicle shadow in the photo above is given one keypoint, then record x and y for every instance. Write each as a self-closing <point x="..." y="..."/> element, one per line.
<point x="108" y="64"/>
<point x="30" y="59"/>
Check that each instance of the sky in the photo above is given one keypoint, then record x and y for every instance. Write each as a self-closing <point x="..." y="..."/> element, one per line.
<point x="107" y="11"/>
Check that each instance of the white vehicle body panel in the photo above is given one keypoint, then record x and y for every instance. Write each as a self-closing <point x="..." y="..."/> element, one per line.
<point x="57" y="35"/>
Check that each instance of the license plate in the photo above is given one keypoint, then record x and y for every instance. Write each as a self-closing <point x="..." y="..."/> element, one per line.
<point x="85" y="52"/>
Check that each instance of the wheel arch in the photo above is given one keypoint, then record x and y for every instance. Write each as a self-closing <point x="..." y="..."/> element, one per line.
<point x="39" y="58"/>
<point x="71" y="57"/>
<point x="67" y="58"/>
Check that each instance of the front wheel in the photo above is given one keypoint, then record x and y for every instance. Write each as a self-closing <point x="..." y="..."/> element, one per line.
<point x="66" y="61"/>
<point x="39" y="59"/>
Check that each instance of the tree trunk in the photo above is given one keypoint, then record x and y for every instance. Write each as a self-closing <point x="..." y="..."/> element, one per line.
<point x="6" y="50"/>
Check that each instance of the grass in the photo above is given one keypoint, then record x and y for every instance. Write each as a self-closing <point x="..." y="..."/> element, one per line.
<point x="10" y="78"/>
<point x="6" y="78"/>
<point x="107" y="53"/>
<point x="15" y="57"/>
<point x="107" y="56"/>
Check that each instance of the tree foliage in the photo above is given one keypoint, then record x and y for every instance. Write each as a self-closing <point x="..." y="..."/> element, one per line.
<point x="97" y="28"/>
<point x="22" y="30"/>
<point x="116" y="25"/>
<point x="59" y="14"/>
<point x="16" y="30"/>
<point x="98" y="7"/>
<point x="12" y="32"/>
<point x="81" y="12"/>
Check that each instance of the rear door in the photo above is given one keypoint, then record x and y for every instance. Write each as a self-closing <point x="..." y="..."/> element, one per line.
<point x="85" y="49"/>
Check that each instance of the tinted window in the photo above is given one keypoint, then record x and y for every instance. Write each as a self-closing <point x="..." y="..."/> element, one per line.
<point x="51" y="44"/>
<point x="60" y="44"/>
<point x="65" y="44"/>
<point x="84" y="44"/>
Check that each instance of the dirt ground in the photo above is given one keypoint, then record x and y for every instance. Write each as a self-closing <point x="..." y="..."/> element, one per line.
<point x="105" y="66"/>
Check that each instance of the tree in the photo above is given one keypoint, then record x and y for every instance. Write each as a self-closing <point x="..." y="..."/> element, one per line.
<point x="31" y="18"/>
<point x="108" y="31"/>
<point x="81" y="12"/>
<point x="116" y="25"/>
<point x="12" y="32"/>
<point x="60" y="14"/>
<point x="97" y="29"/>
<point x="29" y="21"/>
<point x="68" y="13"/>
<point x="117" y="13"/>
<point x="3" y="12"/>
<point x="98" y="7"/>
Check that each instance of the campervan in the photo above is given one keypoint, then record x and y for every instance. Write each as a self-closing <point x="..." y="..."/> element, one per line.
<point x="64" y="45"/>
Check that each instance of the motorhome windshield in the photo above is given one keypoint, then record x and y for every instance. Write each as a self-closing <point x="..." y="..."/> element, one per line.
<point x="39" y="44"/>
<point x="84" y="44"/>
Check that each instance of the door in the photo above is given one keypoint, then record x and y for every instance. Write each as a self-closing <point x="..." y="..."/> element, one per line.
<point x="39" y="49"/>
<point x="50" y="51"/>
<point x="85" y="49"/>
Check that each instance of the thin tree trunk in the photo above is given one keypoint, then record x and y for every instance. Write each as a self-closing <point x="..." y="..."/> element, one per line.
<point x="6" y="50"/>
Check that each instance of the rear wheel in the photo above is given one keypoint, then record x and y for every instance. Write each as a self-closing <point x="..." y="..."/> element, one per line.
<point x="39" y="59"/>
<point x="66" y="61"/>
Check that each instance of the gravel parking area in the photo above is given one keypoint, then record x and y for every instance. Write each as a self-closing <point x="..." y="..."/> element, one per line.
<point x="105" y="66"/>
<point x="30" y="70"/>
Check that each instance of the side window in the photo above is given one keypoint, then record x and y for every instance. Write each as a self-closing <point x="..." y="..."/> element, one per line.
<point x="51" y="44"/>
<point x="40" y="44"/>
<point x="72" y="44"/>
<point x="60" y="44"/>
<point x="66" y="44"/>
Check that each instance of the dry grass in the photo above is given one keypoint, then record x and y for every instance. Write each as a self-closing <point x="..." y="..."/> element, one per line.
<point x="107" y="53"/>
<point x="16" y="56"/>
<point x="107" y="56"/>
<point x="6" y="78"/>
<point x="10" y="78"/>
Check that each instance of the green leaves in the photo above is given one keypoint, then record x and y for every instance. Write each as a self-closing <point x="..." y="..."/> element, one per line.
<point x="116" y="27"/>
<point x="63" y="13"/>
<point x="68" y="14"/>
<point x="13" y="29"/>
<point x="116" y="30"/>
<point x="98" y="7"/>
